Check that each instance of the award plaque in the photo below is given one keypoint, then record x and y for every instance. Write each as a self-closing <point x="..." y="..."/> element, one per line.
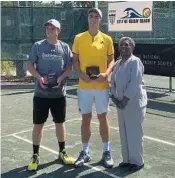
<point x="50" y="80"/>
<point x="92" y="72"/>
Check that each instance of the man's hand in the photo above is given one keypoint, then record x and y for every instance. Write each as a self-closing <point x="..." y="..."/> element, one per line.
<point x="59" y="80"/>
<point x="41" y="81"/>
<point x="32" y="70"/>
<point x="101" y="77"/>
<point x="85" y="77"/>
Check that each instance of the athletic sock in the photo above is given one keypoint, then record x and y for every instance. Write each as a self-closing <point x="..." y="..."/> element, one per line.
<point x="36" y="149"/>
<point x="105" y="146"/>
<point x="61" y="146"/>
<point x="85" y="147"/>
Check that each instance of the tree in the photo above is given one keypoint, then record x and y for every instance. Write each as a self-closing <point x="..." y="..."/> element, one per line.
<point x="6" y="4"/>
<point x="77" y="3"/>
<point x="85" y="3"/>
<point x="23" y="3"/>
<point x="67" y="3"/>
<point x="37" y="3"/>
<point x="48" y="4"/>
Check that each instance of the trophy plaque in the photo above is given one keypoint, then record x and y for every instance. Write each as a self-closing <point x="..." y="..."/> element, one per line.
<point x="50" y="80"/>
<point x="92" y="72"/>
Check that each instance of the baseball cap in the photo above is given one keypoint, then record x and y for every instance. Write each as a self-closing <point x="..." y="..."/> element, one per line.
<point x="54" y="22"/>
<point x="98" y="11"/>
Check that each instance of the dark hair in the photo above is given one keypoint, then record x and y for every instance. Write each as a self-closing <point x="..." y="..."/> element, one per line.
<point x="132" y="42"/>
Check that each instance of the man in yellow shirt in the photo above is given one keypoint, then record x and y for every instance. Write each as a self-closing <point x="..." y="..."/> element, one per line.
<point x="93" y="60"/>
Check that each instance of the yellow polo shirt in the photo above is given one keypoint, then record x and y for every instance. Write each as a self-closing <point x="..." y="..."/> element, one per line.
<point x="93" y="51"/>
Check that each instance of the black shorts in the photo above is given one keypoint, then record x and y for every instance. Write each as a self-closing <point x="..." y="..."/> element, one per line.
<point x="41" y="107"/>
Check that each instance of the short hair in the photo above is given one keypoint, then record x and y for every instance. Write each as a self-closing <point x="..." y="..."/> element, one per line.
<point x="132" y="42"/>
<point x="96" y="10"/>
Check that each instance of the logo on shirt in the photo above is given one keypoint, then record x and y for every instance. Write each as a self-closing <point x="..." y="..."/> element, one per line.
<point x="51" y="56"/>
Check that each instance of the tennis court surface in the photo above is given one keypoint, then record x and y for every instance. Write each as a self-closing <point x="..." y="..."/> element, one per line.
<point x="16" y="143"/>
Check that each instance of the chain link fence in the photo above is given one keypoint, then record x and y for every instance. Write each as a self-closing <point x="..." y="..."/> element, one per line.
<point x="22" y="26"/>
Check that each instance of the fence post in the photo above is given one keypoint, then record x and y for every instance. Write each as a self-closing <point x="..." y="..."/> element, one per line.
<point x="19" y="63"/>
<point x="96" y="4"/>
<point x="170" y="37"/>
<point x="170" y="84"/>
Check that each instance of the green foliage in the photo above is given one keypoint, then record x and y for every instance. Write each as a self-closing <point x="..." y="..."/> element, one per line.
<point x="7" y="67"/>
<point x="24" y="3"/>
<point x="6" y="4"/>
<point x="85" y="3"/>
<point x="77" y="3"/>
<point x="48" y="4"/>
<point x="37" y="3"/>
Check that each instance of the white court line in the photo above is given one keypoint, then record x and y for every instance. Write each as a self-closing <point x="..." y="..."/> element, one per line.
<point x="28" y="141"/>
<point x="23" y="131"/>
<point x="146" y="137"/>
<point x="115" y="128"/>
<point x="94" y="168"/>
<point x="158" y="140"/>
<point x="55" y="152"/>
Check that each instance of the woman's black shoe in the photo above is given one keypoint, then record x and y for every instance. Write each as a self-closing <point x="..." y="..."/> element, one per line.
<point x="123" y="165"/>
<point x="134" y="167"/>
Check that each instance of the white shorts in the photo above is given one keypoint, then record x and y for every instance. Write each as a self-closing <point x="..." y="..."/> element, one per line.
<point x="86" y="98"/>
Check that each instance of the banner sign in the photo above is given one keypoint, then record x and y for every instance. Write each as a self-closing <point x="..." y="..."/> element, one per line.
<point x="130" y="16"/>
<point x="157" y="59"/>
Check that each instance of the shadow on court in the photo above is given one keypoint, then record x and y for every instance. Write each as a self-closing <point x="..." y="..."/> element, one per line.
<point x="159" y="88"/>
<point x="67" y="171"/>
<point x="16" y="117"/>
<point x="156" y="105"/>
<point x="89" y="174"/>
<point x="155" y="95"/>
<point x="72" y="91"/>
<point x="17" y="86"/>
<point x="167" y="107"/>
<point x="23" y="172"/>
<point x="18" y="93"/>
<point x="152" y="104"/>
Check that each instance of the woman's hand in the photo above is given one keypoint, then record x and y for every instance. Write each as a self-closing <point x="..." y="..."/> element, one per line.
<point x="124" y="102"/>
<point x="116" y="102"/>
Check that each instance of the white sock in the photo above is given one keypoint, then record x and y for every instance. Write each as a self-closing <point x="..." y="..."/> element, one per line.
<point x="85" y="147"/>
<point x="105" y="146"/>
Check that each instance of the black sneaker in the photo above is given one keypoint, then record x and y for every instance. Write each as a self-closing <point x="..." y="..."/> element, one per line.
<point x="107" y="159"/>
<point x="134" y="167"/>
<point x="124" y="165"/>
<point x="83" y="158"/>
